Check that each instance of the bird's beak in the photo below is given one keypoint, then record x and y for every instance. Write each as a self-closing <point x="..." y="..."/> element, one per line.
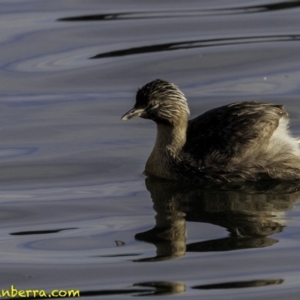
<point x="134" y="112"/>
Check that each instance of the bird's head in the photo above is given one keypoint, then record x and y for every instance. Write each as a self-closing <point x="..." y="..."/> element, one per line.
<point x="160" y="101"/>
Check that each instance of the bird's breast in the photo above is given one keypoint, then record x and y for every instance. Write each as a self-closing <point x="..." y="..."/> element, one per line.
<point x="159" y="165"/>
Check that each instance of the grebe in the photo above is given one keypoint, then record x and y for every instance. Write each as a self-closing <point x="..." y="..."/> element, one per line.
<point x="246" y="141"/>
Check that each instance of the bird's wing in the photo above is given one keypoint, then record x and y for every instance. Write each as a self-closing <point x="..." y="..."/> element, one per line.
<point x="226" y="132"/>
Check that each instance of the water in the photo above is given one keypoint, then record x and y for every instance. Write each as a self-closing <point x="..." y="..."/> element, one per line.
<point x="76" y="211"/>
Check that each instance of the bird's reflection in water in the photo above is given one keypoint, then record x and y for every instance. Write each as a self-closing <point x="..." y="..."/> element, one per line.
<point x="250" y="213"/>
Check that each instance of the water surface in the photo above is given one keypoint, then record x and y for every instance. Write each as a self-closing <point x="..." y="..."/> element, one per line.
<point x="76" y="211"/>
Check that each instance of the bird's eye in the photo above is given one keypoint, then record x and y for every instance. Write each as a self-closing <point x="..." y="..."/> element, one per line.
<point x="150" y="110"/>
<point x="155" y="105"/>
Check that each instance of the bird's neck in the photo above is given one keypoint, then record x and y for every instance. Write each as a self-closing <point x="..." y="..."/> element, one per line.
<point x="169" y="143"/>
<point x="170" y="139"/>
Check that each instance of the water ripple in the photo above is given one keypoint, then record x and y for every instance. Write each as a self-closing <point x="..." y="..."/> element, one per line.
<point x="198" y="44"/>
<point x="78" y="58"/>
<point x="66" y="60"/>
<point x="13" y="152"/>
<point x="183" y="14"/>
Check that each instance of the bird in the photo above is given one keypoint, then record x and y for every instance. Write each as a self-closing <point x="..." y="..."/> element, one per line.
<point x="237" y="142"/>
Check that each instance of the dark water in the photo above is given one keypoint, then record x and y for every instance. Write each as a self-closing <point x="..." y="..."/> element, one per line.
<point x="71" y="179"/>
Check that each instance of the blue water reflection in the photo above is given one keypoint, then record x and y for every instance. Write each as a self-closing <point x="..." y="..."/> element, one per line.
<point x="75" y="210"/>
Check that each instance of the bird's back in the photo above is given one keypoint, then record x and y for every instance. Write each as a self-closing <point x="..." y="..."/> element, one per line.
<point x="230" y="129"/>
<point x="243" y="136"/>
